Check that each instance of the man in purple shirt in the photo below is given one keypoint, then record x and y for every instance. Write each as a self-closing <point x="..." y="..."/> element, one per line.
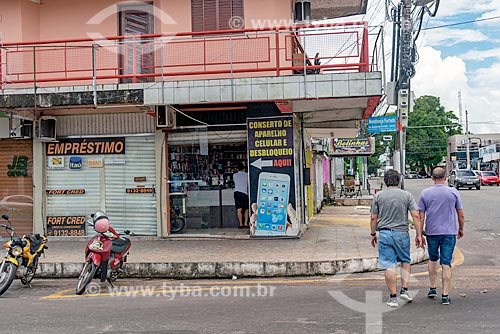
<point x="439" y="207"/>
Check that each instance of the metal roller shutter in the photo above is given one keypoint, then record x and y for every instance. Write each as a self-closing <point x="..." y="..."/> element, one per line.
<point x="16" y="183"/>
<point x="133" y="211"/>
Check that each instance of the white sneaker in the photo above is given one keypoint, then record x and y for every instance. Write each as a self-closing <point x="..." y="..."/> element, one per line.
<point x="405" y="295"/>
<point x="392" y="302"/>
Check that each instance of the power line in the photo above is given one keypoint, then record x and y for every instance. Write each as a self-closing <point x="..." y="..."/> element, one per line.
<point x="461" y="23"/>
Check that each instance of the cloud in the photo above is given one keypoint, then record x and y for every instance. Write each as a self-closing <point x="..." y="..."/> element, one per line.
<point x="445" y="77"/>
<point x="449" y="37"/>
<point x="480" y="55"/>
<point x="459" y="7"/>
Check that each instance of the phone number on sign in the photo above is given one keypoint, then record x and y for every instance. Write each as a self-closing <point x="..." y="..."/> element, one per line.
<point x="66" y="233"/>
<point x="139" y="190"/>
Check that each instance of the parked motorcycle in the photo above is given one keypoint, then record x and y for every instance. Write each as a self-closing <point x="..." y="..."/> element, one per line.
<point x="21" y="251"/>
<point x="105" y="253"/>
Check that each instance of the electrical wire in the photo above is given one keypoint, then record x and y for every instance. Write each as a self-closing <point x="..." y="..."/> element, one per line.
<point x="461" y="23"/>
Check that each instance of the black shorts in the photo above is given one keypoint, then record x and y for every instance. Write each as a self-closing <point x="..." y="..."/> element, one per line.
<point x="241" y="200"/>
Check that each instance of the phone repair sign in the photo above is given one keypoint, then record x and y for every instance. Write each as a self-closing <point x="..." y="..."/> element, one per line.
<point x="271" y="176"/>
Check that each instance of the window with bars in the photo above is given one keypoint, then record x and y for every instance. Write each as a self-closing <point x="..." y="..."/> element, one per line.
<point x="207" y="15"/>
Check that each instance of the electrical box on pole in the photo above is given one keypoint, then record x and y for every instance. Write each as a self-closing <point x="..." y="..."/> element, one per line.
<point x="403" y="105"/>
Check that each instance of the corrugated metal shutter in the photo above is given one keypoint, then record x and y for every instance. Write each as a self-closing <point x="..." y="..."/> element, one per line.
<point x="16" y="190"/>
<point x="105" y="188"/>
<point x="97" y="125"/>
<point x="68" y="179"/>
<point x="135" y="212"/>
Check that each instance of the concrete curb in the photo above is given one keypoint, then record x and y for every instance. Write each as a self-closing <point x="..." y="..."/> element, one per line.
<point x="194" y="270"/>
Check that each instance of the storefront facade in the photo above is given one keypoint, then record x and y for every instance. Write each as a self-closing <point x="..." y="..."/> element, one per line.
<point x="119" y="173"/>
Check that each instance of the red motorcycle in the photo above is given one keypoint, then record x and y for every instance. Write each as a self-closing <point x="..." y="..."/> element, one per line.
<point x="105" y="253"/>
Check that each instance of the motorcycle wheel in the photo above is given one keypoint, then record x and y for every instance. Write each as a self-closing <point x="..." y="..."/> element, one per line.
<point x="177" y="225"/>
<point x="87" y="274"/>
<point x="30" y="272"/>
<point x="7" y="276"/>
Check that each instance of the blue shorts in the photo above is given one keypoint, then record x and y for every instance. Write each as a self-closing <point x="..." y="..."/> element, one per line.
<point x="393" y="247"/>
<point x="441" y="248"/>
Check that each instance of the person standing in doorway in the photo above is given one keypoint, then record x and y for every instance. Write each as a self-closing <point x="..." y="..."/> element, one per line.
<point x="389" y="216"/>
<point x="439" y="207"/>
<point x="241" y="196"/>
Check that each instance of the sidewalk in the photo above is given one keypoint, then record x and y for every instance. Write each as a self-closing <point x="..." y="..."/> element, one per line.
<point x="337" y="241"/>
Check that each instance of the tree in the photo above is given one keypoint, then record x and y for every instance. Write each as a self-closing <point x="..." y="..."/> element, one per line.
<point x="427" y="136"/>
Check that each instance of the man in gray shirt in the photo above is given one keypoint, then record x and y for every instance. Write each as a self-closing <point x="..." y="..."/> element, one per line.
<point x="389" y="216"/>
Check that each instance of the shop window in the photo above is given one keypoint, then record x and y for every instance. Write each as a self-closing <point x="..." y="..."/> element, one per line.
<point x="209" y="15"/>
<point x="206" y="176"/>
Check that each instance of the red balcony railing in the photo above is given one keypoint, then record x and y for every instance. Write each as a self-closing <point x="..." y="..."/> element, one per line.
<point x="277" y="51"/>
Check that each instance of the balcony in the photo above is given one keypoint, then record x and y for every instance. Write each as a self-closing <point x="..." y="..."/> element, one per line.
<point x="270" y="64"/>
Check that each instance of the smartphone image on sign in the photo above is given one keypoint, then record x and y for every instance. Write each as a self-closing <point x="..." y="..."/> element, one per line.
<point x="272" y="201"/>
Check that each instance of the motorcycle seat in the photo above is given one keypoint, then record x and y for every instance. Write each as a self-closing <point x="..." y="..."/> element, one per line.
<point x="120" y="245"/>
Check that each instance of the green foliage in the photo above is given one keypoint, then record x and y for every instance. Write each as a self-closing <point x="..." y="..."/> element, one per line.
<point x="426" y="144"/>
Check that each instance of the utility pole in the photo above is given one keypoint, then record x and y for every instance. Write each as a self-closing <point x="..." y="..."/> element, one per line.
<point x="403" y="83"/>
<point x="467" y="139"/>
<point x="403" y="59"/>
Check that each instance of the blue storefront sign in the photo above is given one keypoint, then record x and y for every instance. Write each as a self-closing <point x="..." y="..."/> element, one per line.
<point x="382" y="124"/>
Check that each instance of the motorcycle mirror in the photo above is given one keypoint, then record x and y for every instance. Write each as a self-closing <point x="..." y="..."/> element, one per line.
<point x="127" y="232"/>
<point x="5" y="217"/>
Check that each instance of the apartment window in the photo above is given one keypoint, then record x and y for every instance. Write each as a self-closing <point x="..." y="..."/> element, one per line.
<point x="207" y="15"/>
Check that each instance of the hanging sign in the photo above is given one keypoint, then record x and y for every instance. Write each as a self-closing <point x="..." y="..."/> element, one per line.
<point x="351" y="146"/>
<point x="382" y="124"/>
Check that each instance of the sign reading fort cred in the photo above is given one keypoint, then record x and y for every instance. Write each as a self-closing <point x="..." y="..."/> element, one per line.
<point x="85" y="146"/>
<point x="66" y="226"/>
<point x="65" y="192"/>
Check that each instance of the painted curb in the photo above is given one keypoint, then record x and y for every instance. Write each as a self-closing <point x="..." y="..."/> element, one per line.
<point x="194" y="270"/>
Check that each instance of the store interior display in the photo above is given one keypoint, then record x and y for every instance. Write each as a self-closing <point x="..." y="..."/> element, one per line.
<point x="192" y="170"/>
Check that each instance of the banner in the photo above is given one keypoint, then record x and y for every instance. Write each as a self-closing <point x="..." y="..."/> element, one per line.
<point x="272" y="176"/>
<point x="351" y="146"/>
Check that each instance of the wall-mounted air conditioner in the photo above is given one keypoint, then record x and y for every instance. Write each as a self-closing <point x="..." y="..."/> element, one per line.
<point x="165" y="117"/>
<point x="47" y="128"/>
<point x="16" y="127"/>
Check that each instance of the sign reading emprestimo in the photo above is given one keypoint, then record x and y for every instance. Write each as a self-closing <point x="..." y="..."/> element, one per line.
<point x="382" y="124"/>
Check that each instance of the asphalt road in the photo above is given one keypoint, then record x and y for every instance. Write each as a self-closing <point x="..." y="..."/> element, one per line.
<point x="336" y="304"/>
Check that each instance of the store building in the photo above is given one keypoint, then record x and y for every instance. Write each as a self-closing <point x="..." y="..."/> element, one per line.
<point x="120" y="122"/>
<point x="483" y="152"/>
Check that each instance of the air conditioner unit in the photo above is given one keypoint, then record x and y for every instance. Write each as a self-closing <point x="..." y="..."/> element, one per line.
<point x="165" y="117"/>
<point x="47" y="128"/>
<point x="21" y="128"/>
<point x="16" y="127"/>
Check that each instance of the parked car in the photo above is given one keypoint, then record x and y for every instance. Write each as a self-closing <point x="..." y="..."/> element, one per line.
<point x="488" y="177"/>
<point x="463" y="178"/>
<point x="422" y="174"/>
<point x="411" y="175"/>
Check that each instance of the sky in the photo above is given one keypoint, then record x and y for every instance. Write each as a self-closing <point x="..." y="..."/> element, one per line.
<point x="460" y="58"/>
